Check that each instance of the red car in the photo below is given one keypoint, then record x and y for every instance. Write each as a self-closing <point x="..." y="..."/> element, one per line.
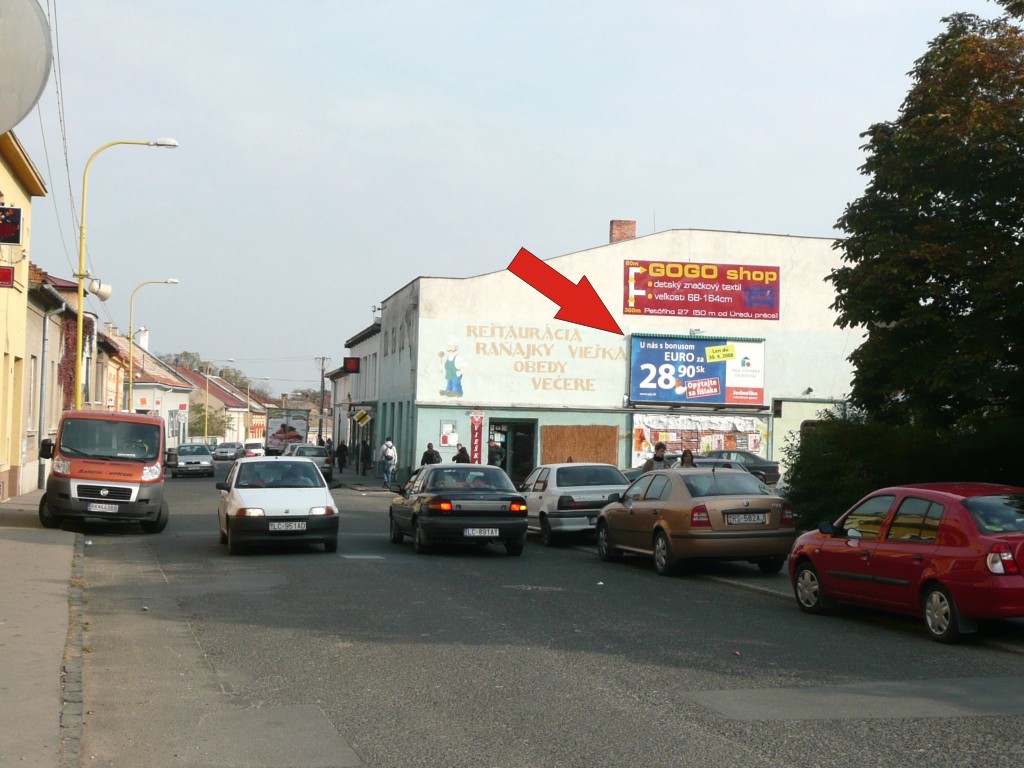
<point x="950" y="552"/>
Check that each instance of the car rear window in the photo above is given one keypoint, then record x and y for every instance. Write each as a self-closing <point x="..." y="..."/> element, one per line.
<point x="728" y="483"/>
<point x="997" y="514"/>
<point x="464" y="478"/>
<point x="582" y="476"/>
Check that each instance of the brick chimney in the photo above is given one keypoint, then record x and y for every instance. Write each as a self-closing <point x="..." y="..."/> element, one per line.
<point x="620" y="230"/>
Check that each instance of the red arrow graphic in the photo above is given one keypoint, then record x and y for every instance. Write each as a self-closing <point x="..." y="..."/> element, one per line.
<point x="579" y="303"/>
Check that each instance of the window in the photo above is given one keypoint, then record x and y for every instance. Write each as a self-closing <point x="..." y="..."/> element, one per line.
<point x="636" y="490"/>
<point x="915" y="520"/>
<point x="659" y="489"/>
<point x="867" y="519"/>
<point x="542" y="479"/>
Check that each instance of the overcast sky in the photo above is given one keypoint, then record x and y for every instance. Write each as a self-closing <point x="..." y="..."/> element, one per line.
<point x="332" y="151"/>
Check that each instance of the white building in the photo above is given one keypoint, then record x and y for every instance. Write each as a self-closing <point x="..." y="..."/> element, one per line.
<point x="718" y="327"/>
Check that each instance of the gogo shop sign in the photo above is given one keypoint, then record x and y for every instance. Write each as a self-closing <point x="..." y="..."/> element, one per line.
<point x="675" y="370"/>
<point x="688" y="289"/>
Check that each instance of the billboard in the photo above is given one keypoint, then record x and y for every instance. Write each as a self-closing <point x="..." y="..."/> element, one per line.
<point x="684" y="370"/>
<point x="696" y="290"/>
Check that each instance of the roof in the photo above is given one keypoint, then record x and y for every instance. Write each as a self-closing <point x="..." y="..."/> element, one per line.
<point x="147" y="369"/>
<point x="22" y="168"/>
<point x="221" y="389"/>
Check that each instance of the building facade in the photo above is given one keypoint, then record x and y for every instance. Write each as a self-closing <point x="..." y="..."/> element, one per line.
<point x="717" y="327"/>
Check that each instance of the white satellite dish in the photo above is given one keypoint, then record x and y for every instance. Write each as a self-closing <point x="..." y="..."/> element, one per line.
<point x="25" y="55"/>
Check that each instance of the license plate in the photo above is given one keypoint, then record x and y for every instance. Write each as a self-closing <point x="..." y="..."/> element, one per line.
<point x="480" y="532"/>
<point x="291" y="525"/>
<point x="97" y="507"/>
<point x="750" y="518"/>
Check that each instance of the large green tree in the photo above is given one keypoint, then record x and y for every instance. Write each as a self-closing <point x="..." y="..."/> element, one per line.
<point x="933" y="265"/>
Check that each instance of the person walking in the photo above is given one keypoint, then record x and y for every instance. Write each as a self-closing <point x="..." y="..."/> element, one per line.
<point x="461" y="455"/>
<point x="364" y="456"/>
<point x="495" y="454"/>
<point x="658" y="460"/>
<point x="430" y="456"/>
<point x="388" y="462"/>
<point x="341" y="454"/>
<point x="687" y="459"/>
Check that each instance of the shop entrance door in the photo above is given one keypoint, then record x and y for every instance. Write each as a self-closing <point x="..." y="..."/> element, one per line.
<point x="519" y="441"/>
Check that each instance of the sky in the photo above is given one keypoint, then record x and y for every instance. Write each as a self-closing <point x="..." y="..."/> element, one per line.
<point x="331" y="151"/>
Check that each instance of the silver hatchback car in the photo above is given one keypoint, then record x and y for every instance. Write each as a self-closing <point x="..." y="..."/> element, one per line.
<point x="564" y="499"/>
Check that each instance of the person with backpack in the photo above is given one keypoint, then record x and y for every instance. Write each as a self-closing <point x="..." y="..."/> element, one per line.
<point x="388" y="461"/>
<point x="430" y="456"/>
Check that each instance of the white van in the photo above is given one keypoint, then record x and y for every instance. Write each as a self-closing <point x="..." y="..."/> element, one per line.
<point x="253" y="448"/>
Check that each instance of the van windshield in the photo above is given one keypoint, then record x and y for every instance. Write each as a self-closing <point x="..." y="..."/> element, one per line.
<point x="93" y="438"/>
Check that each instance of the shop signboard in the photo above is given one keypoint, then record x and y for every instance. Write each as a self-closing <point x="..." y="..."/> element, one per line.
<point x="687" y="370"/>
<point x="701" y="291"/>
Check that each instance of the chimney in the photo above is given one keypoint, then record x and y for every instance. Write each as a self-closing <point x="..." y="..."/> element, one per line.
<point x="143" y="338"/>
<point x="621" y="229"/>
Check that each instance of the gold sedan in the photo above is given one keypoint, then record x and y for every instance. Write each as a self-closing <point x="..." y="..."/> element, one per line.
<point x="681" y="515"/>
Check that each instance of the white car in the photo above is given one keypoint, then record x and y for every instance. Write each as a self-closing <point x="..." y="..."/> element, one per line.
<point x="228" y="451"/>
<point x="565" y="499"/>
<point x="318" y="453"/>
<point x="276" y="499"/>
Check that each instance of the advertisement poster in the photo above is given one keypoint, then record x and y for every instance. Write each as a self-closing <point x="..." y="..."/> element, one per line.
<point x="675" y="370"/>
<point x="698" y="432"/>
<point x="688" y="289"/>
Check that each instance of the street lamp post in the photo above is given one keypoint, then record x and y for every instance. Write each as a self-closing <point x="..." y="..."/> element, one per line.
<point x="131" y="337"/>
<point x="206" y="408"/>
<point x="82" y="274"/>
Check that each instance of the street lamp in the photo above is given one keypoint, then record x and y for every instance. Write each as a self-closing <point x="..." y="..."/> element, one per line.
<point x="82" y="274"/>
<point x="131" y="337"/>
<point x="206" y="408"/>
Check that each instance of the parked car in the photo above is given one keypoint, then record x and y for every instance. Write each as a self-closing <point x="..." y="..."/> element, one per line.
<point x="254" y="448"/>
<point x="274" y="499"/>
<point x="458" y="503"/>
<point x="228" y="451"/>
<point x="763" y="469"/>
<point x="673" y="460"/>
<point x="564" y="499"/>
<point x="680" y="515"/>
<point x="318" y="453"/>
<point x="950" y="552"/>
<point x="192" y="459"/>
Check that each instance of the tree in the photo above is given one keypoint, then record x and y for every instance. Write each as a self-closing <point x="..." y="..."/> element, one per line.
<point x="197" y="422"/>
<point x="934" y="258"/>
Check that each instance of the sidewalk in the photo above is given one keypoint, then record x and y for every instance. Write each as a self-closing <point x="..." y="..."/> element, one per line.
<point x="40" y="667"/>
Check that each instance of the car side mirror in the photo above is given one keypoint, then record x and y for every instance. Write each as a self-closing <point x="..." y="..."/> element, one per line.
<point x="171" y="458"/>
<point x="46" y="449"/>
<point x="614" y="497"/>
<point x="222" y="486"/>
<point x="827" y="529"/>
<point x="396" y="488"/>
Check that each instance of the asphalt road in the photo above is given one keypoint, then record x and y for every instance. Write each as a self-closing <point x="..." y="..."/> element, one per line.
<point x="376" y="656"/>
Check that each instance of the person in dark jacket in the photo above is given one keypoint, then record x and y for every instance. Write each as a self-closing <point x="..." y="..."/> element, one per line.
<point x="430" y="456"/>
<point x="461" y="455"/>
<point x="341" y="454"/>
<point x="365" y="455"/>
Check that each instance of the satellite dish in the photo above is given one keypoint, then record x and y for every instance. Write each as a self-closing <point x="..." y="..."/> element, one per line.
<point x="25" y="56"/>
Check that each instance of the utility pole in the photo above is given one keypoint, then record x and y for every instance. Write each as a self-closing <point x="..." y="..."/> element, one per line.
<point x="320" y="421"/>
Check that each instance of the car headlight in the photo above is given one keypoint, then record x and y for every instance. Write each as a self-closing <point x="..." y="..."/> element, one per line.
<point x="321" y="510"/>
<point x="152" y="472"/>
<point x="61" y="467"/>
<point x="249" y="512"/>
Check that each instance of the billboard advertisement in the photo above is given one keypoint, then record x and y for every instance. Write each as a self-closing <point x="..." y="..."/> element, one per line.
<point x="680" y="370"/>
<point x="696" y="290"/>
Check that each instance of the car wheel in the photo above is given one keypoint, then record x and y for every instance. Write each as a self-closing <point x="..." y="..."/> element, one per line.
<point x="155" y="526"/>
<point x="941" y="616"/>
<point x="234" y="545"/>
<point x="771" y="564"/>
<point x="664" y="561"/>
<point x="605" y="551"/>
<point x="419" y="541"/>
<point x="514" y="547"/>
<point x="47" y="517"/>
<point x="810" y="597"/>
<point x="331" y="545"/>
<point x="396" y="535"/>
<point x="547" y="536"/>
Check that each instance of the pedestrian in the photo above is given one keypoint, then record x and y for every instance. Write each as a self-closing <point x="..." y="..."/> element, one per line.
<point x="687" y="459"/>
<point x="364" y="455"/>
<point x="461" y="455"/>
<point x="329" y="445"/>
<point x="341" y="454"/>
<point x="430" y="456"/>
<point x="495" y="454"/>
<point x="658" y="460"/>
<point x="388" y="462"/>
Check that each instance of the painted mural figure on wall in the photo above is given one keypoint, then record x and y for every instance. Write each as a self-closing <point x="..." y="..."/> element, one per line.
<point x="451" y="366"/>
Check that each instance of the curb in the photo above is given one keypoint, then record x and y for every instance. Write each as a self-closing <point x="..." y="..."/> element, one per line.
<point x="72" y="698"/>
